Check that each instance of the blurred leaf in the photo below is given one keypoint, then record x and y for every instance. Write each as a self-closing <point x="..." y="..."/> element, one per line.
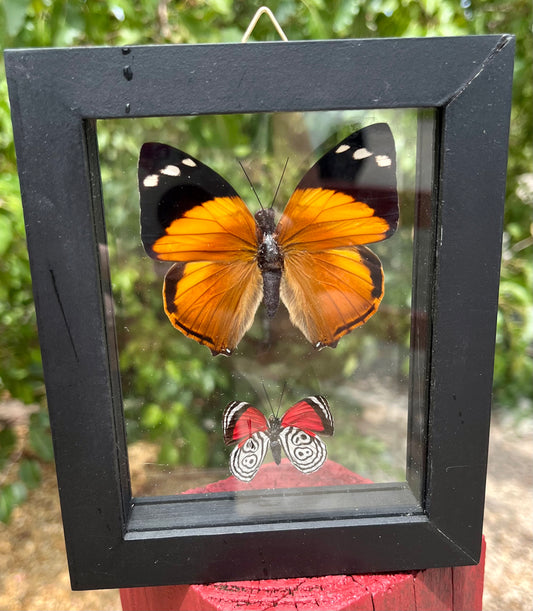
<point x="39" y="436"/>
<point x="152" y="416"/>
<point x="197" y="444"/>
<point x="168" y="453"/>
<point x="15" y="12"/>
<point x="11" y="495"/>
<point x="8" y="441"/>
<point x="30" y="473"/>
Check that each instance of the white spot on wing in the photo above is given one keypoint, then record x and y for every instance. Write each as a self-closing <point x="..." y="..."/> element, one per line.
<point x="171" y="170"/>
<point x="384" y="161"/>
<point x="189" y="162"/>
<point x="151" y="180"/>
<point x="342" y="148"/>
<point x="361" y="153"/>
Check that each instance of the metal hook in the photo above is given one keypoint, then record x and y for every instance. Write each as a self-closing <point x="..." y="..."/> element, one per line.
<point x="260" y="11"/>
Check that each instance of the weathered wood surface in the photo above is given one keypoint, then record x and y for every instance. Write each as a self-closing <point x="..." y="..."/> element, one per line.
<point x="446" y="589"/>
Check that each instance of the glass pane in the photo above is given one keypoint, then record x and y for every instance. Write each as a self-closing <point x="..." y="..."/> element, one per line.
<point x="175" y="391"/>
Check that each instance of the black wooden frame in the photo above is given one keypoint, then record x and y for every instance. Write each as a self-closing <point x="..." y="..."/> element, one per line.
<point x="436" y="518"/>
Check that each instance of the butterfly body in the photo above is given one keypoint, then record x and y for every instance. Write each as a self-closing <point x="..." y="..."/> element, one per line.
<point x="269" y="259"/>
<point x="296" y="433"/>
<point x="273" y="432"/>
<point x="226" y="261"/>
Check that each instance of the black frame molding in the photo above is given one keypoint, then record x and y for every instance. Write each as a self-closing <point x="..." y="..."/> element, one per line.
<point x="114" y="540"/>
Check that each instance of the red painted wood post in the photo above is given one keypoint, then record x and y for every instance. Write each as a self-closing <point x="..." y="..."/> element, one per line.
<point x="446" y="589"/>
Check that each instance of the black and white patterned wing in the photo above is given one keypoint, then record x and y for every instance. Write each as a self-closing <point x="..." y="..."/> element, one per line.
<point x="246" y="459"/>
<point x="306" y="452"/>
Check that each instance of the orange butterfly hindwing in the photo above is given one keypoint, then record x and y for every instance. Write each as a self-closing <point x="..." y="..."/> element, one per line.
<point x="315" y="259"/>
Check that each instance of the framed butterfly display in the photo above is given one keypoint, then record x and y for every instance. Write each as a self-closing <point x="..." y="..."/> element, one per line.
<point x="383" y="242"/>
<point x="230" y="266"/>
<point x="315" y="258"/>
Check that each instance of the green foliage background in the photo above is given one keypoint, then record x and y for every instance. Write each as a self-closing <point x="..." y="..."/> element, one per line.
<point x="178" y="416"/>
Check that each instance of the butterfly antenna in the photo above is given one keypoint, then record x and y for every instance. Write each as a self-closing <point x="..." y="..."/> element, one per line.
<point x="281" y="396"/>
<point x="251" y="185"/>
<point x="279" y="183"/>
<point x="267" y="397"/>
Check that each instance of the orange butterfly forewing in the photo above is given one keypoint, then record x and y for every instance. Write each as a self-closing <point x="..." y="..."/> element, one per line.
<point x="212" y="292"/>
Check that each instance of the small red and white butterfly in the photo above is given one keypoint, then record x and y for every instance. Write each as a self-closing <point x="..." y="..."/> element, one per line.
<point x="296" y="432"/>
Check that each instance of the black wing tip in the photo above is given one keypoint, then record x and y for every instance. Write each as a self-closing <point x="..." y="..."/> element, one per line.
<point x="154" y="156"/>
<point x="159" y="148"/>
<point x="150" y="153"/>
<point x="320" y="345"/>
<point x="319" y="398"/>
<point x="147" y="146"/>
<point x="228" y="429"/>
<point x="324" y="411"/>
<point x="222" y="351"/>
<point x="381" y="128"/>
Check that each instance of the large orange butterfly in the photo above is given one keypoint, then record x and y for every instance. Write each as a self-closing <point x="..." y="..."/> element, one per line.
<point x="314" y="258"/>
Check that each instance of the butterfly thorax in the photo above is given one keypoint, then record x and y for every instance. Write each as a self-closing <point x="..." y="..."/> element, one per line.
<point x="265" y="220"/>
<point x="274" y="429"/>
<point x="269" y="259"/>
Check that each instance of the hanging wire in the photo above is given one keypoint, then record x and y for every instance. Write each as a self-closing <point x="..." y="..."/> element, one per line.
<point x="264" y="10"/>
